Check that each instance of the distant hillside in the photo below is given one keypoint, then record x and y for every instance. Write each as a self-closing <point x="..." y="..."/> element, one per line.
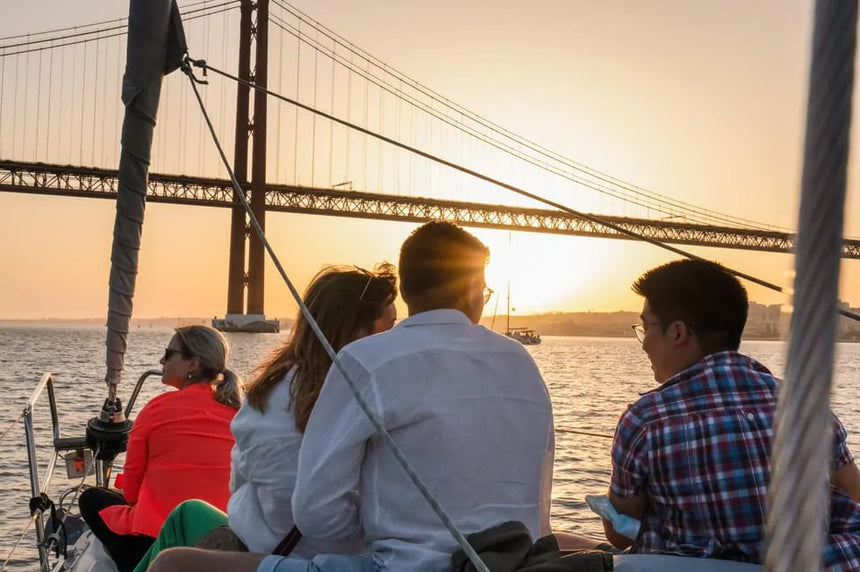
<point x="764" y="323"/>
<point x="598" y="324"/>
<point x="162" y="322"/>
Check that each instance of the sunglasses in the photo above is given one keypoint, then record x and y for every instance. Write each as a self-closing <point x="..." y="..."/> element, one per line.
<point x="169" y="353"/>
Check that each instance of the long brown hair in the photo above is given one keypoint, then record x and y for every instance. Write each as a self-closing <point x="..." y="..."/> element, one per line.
<point x="345" y="302"/>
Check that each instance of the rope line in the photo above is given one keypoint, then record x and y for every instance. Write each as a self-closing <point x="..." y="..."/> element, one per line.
<point x="586" y="433"/>
<point x="10" y="426"/>
<point x="30" y="522"/>
<point x="398" y="454"/>
<point x="799" y="493"/>
<point x="587" y="216"/>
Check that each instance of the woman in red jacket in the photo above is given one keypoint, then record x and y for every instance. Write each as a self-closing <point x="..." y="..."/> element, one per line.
<point x="178" y="449"/>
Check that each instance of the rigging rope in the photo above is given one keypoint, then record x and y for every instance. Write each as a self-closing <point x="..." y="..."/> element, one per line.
<point x="30" y="522"/>
<point x="10" y="426"/>
<point x="398" y="454"/>
<point x="586" y="433"/>
<point x="415" y="151"/>
<point x="799" y="493"/>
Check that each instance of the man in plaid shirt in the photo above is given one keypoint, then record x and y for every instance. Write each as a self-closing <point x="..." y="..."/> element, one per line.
<point x="690" y="458"/>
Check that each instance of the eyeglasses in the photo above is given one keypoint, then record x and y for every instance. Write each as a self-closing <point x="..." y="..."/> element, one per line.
<point x="640" y="329"/>
<point x="170" y="352"/>
<point x="488" y="293"/>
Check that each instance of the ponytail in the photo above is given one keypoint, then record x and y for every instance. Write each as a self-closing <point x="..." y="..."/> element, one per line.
<point x="228" y="389"/>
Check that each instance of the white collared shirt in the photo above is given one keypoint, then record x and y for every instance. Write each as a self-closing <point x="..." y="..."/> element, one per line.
<point x="263" y="475"/>
<point x="468" y="408"/>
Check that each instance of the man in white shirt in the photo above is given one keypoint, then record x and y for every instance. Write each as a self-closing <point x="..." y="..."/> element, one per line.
<point x="467" y="407"/>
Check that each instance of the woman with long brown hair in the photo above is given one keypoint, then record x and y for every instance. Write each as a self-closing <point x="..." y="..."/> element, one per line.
<point x="348" y="304"/>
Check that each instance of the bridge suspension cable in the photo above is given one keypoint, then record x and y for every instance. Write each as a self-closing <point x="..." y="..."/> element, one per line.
<point x="522" y="192"/>
<point x="501" y="145"/>
<point x="92" y="24"/>
<point x="565" y="167"/>
<point x="109" y="29"/>
<point x="383" y="76"/>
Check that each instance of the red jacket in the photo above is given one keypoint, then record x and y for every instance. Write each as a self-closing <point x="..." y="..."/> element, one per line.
<point x="178" y="449"/>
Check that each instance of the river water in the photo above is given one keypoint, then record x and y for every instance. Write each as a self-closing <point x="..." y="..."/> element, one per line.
<point x="591" y="380"/>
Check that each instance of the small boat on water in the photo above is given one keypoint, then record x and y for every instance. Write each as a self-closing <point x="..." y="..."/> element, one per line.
<point x="525" y="336"/>
<point x="248" y="323"/>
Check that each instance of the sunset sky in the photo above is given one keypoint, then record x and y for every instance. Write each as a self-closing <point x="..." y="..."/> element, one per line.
<point x="700" y="101"/>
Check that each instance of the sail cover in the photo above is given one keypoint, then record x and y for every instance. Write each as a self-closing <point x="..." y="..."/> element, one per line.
<point x="156" y="44"/>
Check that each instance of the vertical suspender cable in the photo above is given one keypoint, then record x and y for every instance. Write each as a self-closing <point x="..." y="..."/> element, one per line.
<point x="48" y="135"/>
<point x="331" y="123"/>
<point x="202" y="129"/>
<point x="365" y="185"/>
<point x="799" y="491"/>
<point x="38" y="105"/>
<point x="280" y="69"/>
<point x="379" y="149"/>
<point x="26" y="106"/>
<point x="183" y="143"/>
<point x="296" y="132"/>
<point x="103" y="132"/>
<point x="314" y="119"/>
<point x="95" y="108"/>
<point x="397" y="119"/>
<point x="346" y="175"/>
<point x="83" y="99"/>
<point x="15" y="104"/>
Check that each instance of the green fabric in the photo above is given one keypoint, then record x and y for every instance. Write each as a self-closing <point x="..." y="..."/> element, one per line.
<point x="183" y="527"/>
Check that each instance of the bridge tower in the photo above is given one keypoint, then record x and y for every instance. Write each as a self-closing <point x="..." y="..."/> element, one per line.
<point x="253" y="36"/>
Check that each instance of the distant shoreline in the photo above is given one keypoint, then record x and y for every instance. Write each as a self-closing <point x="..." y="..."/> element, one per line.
<point x="571" y="324"/>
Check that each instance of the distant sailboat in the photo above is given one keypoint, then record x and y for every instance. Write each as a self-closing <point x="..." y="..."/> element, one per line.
<point x="525" y="336"/>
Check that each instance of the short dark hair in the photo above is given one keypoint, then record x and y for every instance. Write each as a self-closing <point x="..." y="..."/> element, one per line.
<point x="436" y="263"/>
<point x="703" y="295"/>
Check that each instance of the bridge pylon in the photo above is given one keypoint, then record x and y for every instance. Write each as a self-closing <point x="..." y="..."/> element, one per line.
<point x="253" y="35"/>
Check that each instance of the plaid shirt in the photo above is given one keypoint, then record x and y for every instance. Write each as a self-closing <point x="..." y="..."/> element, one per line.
<point x="697" y="448"/>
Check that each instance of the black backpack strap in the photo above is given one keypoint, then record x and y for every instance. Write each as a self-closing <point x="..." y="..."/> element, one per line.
<point x="288" y="543"/>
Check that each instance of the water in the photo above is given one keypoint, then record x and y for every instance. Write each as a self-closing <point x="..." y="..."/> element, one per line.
<point x="591" y="381"/>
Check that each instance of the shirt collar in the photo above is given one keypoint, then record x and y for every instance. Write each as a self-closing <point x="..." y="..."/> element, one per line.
<point x="436" y="317"/>
<point x="726" y="358"/>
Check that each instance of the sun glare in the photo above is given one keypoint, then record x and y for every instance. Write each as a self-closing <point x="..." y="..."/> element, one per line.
<point x="545" y="273"/>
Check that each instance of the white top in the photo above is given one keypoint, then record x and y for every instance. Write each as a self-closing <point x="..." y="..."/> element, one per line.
<point x="263" y="475"/>
<point x="470" y="411"/>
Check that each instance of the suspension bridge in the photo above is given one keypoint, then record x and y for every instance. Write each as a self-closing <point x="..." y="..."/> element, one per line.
<point x="357" y="138"/>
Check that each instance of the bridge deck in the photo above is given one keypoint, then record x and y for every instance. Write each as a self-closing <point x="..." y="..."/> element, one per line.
<point x="45" y="179"/>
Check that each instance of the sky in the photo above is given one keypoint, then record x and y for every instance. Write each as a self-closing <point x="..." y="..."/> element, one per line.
<point x="700" y="101"/>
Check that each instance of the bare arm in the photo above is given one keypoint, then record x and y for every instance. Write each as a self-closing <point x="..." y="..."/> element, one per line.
<point x="633" y="507"/>
<point x="847" y="480"/>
